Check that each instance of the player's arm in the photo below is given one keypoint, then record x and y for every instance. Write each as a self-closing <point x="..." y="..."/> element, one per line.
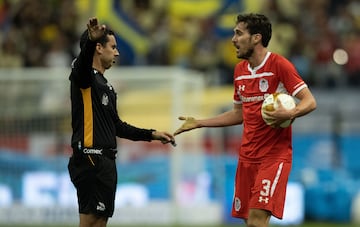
<point x="306" y="104"/>
<point x="290" y="77"/>
<point x="229" y="118"/>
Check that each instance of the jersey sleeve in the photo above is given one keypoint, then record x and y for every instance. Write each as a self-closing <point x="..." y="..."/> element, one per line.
<point x="127" y="131"/>
<point x="290" y="77"/>
<point x="82" y="65"/>
<point x="237" y="92"/>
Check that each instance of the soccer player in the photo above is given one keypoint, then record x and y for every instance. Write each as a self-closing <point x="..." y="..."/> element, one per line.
<point x="96" y="125"/>
<point x="265" y="153"/>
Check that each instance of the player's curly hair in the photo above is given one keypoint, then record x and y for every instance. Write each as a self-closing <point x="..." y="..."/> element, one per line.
<point x="102" y="40"/>
<point x="257" y="24"/>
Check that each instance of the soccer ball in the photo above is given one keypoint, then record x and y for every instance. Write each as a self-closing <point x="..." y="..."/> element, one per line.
<point x="270" y="104"/>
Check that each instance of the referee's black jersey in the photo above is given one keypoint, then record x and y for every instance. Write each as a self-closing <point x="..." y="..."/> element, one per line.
<point x="95" y="119"/>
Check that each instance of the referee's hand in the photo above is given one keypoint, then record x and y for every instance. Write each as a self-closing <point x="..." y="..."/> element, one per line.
<point x="164" y="137"/>
<point x="95" y="29"/>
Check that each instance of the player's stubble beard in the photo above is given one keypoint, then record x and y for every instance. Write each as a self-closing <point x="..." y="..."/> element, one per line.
<point x="247" y="54"/>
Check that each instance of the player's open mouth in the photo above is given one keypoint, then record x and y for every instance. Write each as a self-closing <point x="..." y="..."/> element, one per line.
<point x="237" y="48"/>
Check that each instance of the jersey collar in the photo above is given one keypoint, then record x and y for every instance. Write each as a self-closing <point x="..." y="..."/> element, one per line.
<point x="262" y="63"/>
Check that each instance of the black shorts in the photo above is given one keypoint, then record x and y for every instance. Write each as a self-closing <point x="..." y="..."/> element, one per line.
<point x="95" y="180"/>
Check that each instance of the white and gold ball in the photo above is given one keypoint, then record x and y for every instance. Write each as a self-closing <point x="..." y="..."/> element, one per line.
<point x="270" y="104"/>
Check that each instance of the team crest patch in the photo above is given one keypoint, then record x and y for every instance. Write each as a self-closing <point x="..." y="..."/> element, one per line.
<point x="105" y="99"/>
<point x="237" y="204"/>
<point x="263" y="85"/>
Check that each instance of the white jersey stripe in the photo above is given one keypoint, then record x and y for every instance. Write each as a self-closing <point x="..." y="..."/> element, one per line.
<point x="299" y="89"/>
<point x="278" y="173"/>
<point x="252" y="76"/>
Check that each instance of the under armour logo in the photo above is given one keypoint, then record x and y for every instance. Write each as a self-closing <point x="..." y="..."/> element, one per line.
<point x="241" y="88"/>
<point x="265" y="199"/>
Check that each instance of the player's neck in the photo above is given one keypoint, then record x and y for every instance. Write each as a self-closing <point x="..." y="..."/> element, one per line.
<point x="258" y="57"/>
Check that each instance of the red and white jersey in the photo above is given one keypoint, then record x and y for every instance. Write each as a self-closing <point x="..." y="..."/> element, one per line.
<point x="252" y="86"/>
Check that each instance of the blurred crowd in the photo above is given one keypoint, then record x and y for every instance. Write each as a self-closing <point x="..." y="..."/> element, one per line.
<point x="37" y="33"/>
<point x="322" y="37"/>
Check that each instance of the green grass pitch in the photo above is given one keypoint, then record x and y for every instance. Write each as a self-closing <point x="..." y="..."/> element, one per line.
<point x="308" y="224"/>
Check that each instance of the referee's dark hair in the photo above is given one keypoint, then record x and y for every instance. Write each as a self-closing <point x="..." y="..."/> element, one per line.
<point x="102" y="40"/>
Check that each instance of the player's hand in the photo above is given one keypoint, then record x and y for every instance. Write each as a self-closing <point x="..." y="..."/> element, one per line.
<point x="189" y="124"/>
<point x="164" y="137"/>
<point x="94" y="29"/>
<point x="278" y="115"/>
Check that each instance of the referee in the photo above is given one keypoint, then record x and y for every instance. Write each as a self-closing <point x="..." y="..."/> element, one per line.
<point x="96" y="124"/>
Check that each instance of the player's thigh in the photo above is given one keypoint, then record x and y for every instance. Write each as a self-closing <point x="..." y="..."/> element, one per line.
<point x="91" y="220"/>
<point x="258" y="218"/>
